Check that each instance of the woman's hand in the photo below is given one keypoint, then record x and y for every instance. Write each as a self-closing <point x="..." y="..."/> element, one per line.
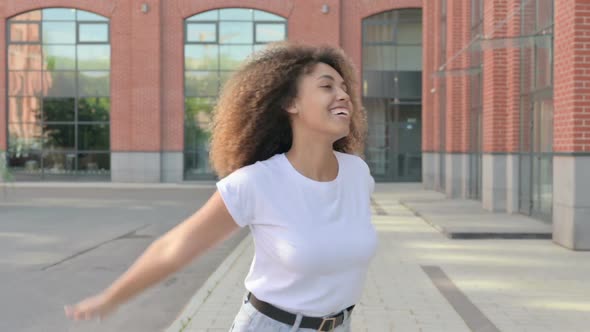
<point x="97" y="306"/>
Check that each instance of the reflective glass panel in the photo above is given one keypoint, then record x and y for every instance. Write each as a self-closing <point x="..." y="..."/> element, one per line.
<point x="197" y="121"/>
<point x="409" y="33"/>
<point x="59" y="14"/>
<point x="379" y="58"/>
<point x="34" y="15"/>
<point x="59" y="32"/>
<point x="59" y="57"/>
<point x="25" y="83"/>
<point x="378" y="33"/>
<point x="94" y="163"/>
<point x="94" y="109"/>
<point x="266" y="33"/>
<point x="59" y="162"/>
<point x="88" y="16"/>
<point x="236" y="33"/>
<point x="241" y="14"/>
<point x="60" y="84"/>
<point x="212" y="15"/>
<point x="264" y="16"/>
<point x="59" y="109"/>
<point x="24" y="32"/>
<point x="59" y="136"/>
<point x="94" y="57"/>
<point x="409" y="58"/>
<point x="94" y="83"/>
<point x="201" y="57"/>
<point x="201" y="32"/>
<point x="94" y="32"/>
<point x="232" y="56"/>
<point x="24" y="137"/>
<point x="24" y="57"/>
<point x="24" y="109"/>
<point x="93" y="137"/>
<point x="202" y="84"/>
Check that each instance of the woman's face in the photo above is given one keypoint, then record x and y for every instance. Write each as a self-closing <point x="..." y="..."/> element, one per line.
<point x="322" y="104"/>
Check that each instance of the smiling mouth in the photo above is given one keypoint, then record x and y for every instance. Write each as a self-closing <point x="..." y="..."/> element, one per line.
<point x="340" y="112"/>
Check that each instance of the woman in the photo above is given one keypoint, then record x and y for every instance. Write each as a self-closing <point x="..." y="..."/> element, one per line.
<point x="285" y="134"/>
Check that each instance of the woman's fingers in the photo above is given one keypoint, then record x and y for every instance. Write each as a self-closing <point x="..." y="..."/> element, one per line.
<point x="88" y="309"/>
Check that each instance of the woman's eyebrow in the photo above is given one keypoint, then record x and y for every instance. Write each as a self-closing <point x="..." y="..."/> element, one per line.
<point x="330" y="77"/>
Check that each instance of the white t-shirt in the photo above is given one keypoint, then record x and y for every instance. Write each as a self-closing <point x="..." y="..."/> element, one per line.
<point x="313" y="240"/>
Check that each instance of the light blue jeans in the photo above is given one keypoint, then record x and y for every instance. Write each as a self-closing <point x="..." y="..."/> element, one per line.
<point x="249" y="319"/>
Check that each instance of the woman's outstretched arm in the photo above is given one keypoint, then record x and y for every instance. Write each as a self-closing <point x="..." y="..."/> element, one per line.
<point x="208" y="226"/>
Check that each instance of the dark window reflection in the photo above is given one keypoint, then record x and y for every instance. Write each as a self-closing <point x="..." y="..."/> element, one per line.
<point x="93" y="137"/>
<point x="59" y="136"/>
<point x="94" y="163"/>
<point x="94" y="109"/>
<point x="59" y="109"/>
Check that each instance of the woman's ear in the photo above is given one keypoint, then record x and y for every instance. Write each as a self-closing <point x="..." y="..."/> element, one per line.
<point x="292" y="108"/>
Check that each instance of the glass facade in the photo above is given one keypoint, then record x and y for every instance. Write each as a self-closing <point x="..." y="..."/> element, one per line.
<point x="216" y="43"/>
<point x="58" y="95"/>
<point x="392" y="94"/>
<point x="536" y="113"/>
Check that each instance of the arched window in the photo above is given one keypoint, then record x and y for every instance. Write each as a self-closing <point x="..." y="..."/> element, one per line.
<point x="59" y="95"/>
<point x="216" y="42"/>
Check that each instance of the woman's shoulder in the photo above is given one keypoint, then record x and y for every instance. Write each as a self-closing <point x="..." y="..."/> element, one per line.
<point x="256" y="170"/>
<point x="352" y="159"/>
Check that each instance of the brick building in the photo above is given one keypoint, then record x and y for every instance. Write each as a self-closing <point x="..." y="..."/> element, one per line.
<point x="478" y="99"/>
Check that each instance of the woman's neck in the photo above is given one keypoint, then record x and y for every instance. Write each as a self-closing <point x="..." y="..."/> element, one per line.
<point x="315" y="161"/>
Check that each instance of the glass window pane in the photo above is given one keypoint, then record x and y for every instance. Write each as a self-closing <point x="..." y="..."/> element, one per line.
<point x="88" y="16"/>
<point x="25" y="83"/>
<point x="24" y="32"/>
<point x="94" y="83"/>
<point x="241" y="14"/>
<point x="93" y="137"/>
<point x="201" y="32"/>
<point x="28" y="162"/>
<point x="197" y="122"/>
<point x="212" y="15"/>
<point x="264" y="16"/>
<point x="409" y="33"/>
<point x="34" y="15"/>
<point x="24" y="57"/>
<point x="270" y="32"/>
<point x="94" y="163"/>
<point x="235" y="33"/>
<point x="59" y="14"/>
<point x="59" y="109"/>
<point x="57" y="57"/>
<point x="232" y="56"/>
<point x="375" y="33"/>
<point x="24" y="137"/>
<point x="60" y="84"/>
<point x="379" y="58"/>
<point x="409" y="58"/>
<point x="59" y="136"/>
<point x="24" y="109"/>
<point x="198" y="57"/>
<point x="94" y="57"/>
<point x="259" y="47"/>
<point x="201" y="84"/>
<point x="59" y="163"/>
<point x="94" y="109"/>
<point x="59" y="33"/>
<point x="94" y="33"/>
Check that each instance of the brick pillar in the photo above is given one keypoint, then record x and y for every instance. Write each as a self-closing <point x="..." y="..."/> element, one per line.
<point x="571" y="182"/>
<point x="455" y="157"/>
<point x="513" y="110"/>
<point x="494" y="110"/>
<point x="3" y="75"/>
<point x="137" y="118"/>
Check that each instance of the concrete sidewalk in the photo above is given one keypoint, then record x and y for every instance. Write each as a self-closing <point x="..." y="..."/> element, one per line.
<point x="422" y="280"/>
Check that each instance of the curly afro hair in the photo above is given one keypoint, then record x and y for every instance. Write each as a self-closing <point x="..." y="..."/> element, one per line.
<point x="250" y="123"/>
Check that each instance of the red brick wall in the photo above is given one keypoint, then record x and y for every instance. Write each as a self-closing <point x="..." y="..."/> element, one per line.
<point x="572" y="76"/>
<point x="494" y="80"/>
<point x="513" y="81"/>
<point x="465" y="80"/>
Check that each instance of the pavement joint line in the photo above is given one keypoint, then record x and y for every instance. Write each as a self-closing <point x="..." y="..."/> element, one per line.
<point x="380" y="211"/>
<point x="184" y="319"/>
<point x="126" y="235"/>
<point x="471" y="315"/>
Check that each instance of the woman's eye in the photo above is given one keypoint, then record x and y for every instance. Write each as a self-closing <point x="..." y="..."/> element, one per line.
<point x="326" y="86"/>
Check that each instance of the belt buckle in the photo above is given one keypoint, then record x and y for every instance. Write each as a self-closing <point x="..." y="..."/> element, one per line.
<point x="333" y="320"/>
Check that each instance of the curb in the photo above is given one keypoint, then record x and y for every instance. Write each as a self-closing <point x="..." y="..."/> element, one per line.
<point x="190" y="310"/>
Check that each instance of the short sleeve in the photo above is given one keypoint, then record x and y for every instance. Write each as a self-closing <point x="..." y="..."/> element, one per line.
<point x="237" y="193"/>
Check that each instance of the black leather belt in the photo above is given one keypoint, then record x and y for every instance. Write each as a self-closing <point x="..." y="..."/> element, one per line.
<point x="316" y="323"/>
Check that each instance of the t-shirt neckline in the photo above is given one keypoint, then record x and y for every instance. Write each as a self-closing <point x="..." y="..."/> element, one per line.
<point x="309" y="180"/>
